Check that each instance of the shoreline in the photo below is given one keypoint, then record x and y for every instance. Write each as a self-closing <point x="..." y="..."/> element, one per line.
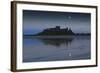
<point x="64" y="36"/>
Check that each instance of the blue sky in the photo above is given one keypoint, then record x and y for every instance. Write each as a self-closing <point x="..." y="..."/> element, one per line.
<point x="36" y="21"/>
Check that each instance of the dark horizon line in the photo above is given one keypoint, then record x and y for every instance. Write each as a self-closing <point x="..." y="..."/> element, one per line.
<point x="60" y="29"/>
<point x="57" y="35"/>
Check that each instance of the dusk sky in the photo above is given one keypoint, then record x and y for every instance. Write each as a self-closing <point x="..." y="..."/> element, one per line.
<point x="36" y="21"/>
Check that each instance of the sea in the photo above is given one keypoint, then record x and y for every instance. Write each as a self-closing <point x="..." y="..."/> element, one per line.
<point x="47" y="48"/>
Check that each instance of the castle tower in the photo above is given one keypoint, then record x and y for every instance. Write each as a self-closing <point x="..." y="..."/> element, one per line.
<point x="58" y="27"/>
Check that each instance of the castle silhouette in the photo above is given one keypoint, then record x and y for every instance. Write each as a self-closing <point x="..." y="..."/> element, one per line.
<point x="56" y="31"/>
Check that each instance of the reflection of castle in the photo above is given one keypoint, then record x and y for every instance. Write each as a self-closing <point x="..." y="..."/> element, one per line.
<point x="57" y="41"/>
<point x="56" y="31"/>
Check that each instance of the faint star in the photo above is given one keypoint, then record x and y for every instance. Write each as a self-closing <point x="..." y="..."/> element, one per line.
<point x="69" y="17"/>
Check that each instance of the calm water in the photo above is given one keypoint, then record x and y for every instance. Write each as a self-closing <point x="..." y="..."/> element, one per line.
<point x="56" y="49"/>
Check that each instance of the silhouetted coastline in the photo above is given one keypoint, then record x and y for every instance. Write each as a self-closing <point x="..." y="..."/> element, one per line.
<point x="58" y="32"/>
